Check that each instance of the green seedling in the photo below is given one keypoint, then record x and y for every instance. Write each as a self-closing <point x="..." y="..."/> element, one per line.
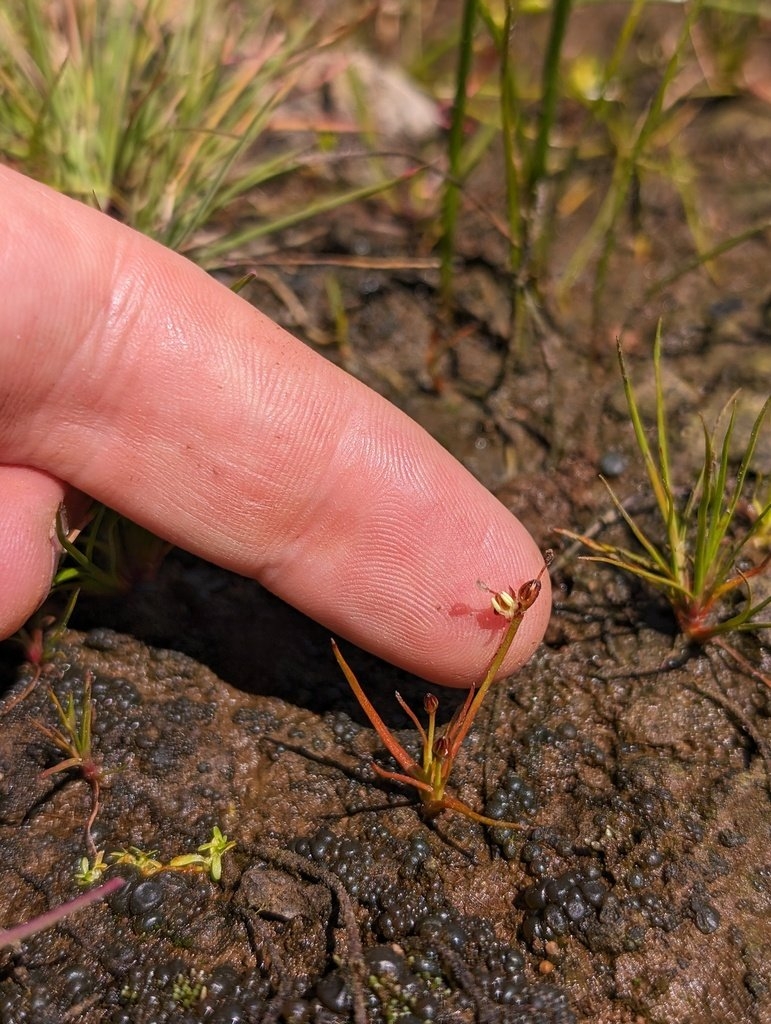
<point x="431" y="776"/>
<point x="88" y="873"/>
<point x="74" y="738"/>
<point x="207" y="860"/>
<point x="19" y="932"/>
<point x="214" y="850"/>
<point x="699" y="564"/>
<point x="145" y="861"/>
<point x="108" y="556"/>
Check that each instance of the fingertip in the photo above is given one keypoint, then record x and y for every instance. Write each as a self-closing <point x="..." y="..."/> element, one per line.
<point x="406" y="547"/>
<point x="29" y="500"/>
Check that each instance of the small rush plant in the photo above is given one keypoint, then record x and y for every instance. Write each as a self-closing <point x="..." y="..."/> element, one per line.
<point x="703" y="560"/>
<point x="431" y="775"/>
<point x="74" y="738"/>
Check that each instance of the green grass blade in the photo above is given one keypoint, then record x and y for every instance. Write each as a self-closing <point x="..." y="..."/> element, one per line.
<point x="660" y="581"/>
<point x="745" y="620"/>
<point x="206" y="254"/>
<point x="721" y="513"/>
<point x="676" y="525"/>
<point x="510" y="120"/>
<point x="706" y="521"/>
<point x="657" y="558"/>
<point x="716" y="553"/>
<point x="451" y="197"/>
<point x="640" y="436"/>
<point x="536" y="169"/>
<point x="700" y="259"/>
<point x="749" y="452"/>
<point x="610" y="552"/>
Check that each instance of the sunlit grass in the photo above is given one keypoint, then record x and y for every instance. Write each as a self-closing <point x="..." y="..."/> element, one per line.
<point x="159" y="112"/>
<point x="576" y="131"/>
<point x="143" y="109"/>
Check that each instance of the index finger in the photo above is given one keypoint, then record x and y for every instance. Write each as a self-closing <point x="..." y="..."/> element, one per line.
<point x="138" y="379"/>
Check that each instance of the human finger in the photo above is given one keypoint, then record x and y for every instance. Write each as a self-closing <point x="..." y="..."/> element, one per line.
<point x="138" y="379"/>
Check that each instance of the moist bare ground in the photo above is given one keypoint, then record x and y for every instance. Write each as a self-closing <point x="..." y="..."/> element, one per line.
<point x="637" y="887"/>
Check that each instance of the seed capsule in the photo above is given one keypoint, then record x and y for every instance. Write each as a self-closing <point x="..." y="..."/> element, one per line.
<point x="441" y="747"/>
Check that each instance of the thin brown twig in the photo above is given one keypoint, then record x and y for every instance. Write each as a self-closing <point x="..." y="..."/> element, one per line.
<point x="254" y="924"/>
<point x="299" y="865"/>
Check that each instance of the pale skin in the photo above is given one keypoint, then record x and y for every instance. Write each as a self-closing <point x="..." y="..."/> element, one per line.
<point x="130" y="376"/>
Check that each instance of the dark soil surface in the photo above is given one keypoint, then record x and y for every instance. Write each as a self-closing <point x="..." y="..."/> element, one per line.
<point x="637" y="887"/>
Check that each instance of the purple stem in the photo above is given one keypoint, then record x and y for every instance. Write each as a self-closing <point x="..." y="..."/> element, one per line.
<point x="19" y="932"/>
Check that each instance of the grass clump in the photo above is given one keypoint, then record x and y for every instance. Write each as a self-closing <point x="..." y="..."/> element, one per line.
<point x="145" y="110"/>
<point x="702" y="564"/>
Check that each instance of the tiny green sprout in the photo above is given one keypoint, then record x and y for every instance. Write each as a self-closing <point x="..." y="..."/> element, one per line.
<point x="215" y="850"/>
<point x="193" y="861"/>
<point x="208" y="859"/>
<point x="144" y="861"/>
<point x="74" y="737"/>
<point x="430" y="777"/>
<point x="189" y="988"/>
<point x="91" y="871"/>
<point x="699" y="563"/>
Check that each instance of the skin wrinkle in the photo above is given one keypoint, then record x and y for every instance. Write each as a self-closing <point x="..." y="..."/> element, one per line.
<point x="391" y="479"/>
<point x="262" y="409"/>
<point x="92" y="361"/>
<point x="43" y="335"/>
<point x="277" y="485"/>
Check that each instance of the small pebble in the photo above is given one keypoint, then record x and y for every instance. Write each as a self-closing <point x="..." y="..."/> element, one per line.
<point x="612" y="464"/>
